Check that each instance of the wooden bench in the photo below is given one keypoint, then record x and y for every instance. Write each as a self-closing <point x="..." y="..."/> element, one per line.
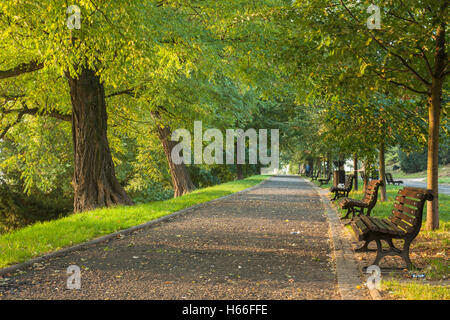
<point x="391" y="180"/>
<point x="340" y="192"/>
<point x="369" y="200"/>
<point x="404" y="223"/>
<point x="325" y="181"/>
<point x="314" y="177"/>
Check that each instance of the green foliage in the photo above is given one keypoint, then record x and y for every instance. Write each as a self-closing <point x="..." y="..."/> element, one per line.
<point x="413" y="162"/>
<point x="202" y="177"/>
<point x="18" y="210"/>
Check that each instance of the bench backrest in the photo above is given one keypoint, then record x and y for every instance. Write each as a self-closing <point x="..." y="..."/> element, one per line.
<point x="408" y="209"/>
<point x="348" y="182"/>
<point x="371" y="193"/>
<point x="389" y="177"/>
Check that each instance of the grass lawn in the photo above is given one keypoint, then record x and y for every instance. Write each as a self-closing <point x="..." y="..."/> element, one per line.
<point x="430" y="248"/>
<point x="44" y="237"/>
<point x="415" y="291"/>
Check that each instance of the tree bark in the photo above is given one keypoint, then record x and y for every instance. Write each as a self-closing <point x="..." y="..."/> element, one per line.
<point x="355" y="170"/>
<point x="366" y="175"/>
<point x="94" y="182"/>
<point x="324" y="166"/>
<point x="181" y="180"/>
<point x="328" y="163"/>
<point x="382" y="173"/>
<point x="239" y="172"/>
<point x="434" y="112"/>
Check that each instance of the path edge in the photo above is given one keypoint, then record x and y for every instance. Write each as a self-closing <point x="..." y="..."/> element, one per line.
<point x="116" y="234"/>
<point x="348" y="273"/>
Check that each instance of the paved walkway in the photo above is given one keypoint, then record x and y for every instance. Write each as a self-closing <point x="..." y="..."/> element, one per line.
<point x="271" y="242"/>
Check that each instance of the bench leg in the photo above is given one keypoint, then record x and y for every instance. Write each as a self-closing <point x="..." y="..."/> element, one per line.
<point x="348" y="213"/>
<point x="358" y="212"/>
<point x="379" y="252"/>
<point x="405" y="254"/>
<point x="392" y="247"/>
<point x="365" y="247"/>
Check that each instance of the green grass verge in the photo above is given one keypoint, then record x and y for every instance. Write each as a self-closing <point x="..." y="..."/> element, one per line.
<point x="44" y="237"/>
<point x="415" y="291"/>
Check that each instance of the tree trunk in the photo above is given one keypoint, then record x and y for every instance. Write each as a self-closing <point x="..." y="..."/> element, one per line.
<point x="434" y="111"/>
<point x="382" y="173"/>
<point x="328" y="164"/>
<point x="239" y="172"/>
<point x="181" y="180"/>
<point x="324" y="166"/>
<point x="366" y="175"/>
<point x="355" y="170"/>
<point x="94" y="182"/>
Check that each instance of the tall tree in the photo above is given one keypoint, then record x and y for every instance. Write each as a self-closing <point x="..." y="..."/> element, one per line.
<point x="407" y="53"/>
<point x="118" y="47"/>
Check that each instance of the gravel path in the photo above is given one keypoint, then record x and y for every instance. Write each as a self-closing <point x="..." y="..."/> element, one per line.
<point x="243" y="247"/>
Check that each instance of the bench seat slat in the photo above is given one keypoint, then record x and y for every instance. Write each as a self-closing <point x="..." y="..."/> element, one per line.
<point x="401" y="224"/>
<point x="372" y="226"/>
<point x="382" y="227"/>
<point x="359" y="233"/>
<point x="393" y="226"/>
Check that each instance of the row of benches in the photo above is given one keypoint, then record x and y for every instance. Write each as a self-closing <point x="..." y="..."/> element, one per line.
<point x="389" y="179"/>
<point x="404" y="222"/>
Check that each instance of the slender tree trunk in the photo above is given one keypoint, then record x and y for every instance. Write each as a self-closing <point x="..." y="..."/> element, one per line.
<point x="382" y="173"/>
<point x="181" y="180"/>
<point x="366" y="175"/>
<point x="324" y="166"/>
<point x="239" y="172"/>
<point x="355" y="170"/>
<point x="341" y="168"/>
<point x="434" y="111"/>
<point x="328" y="164"/>
<point x="94" y="182"/>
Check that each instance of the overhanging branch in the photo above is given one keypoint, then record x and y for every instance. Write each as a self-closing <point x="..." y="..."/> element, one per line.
<point x="21" y="69"/>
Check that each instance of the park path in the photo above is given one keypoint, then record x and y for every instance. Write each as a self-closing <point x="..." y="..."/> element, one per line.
<point x="270" y="242"/>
